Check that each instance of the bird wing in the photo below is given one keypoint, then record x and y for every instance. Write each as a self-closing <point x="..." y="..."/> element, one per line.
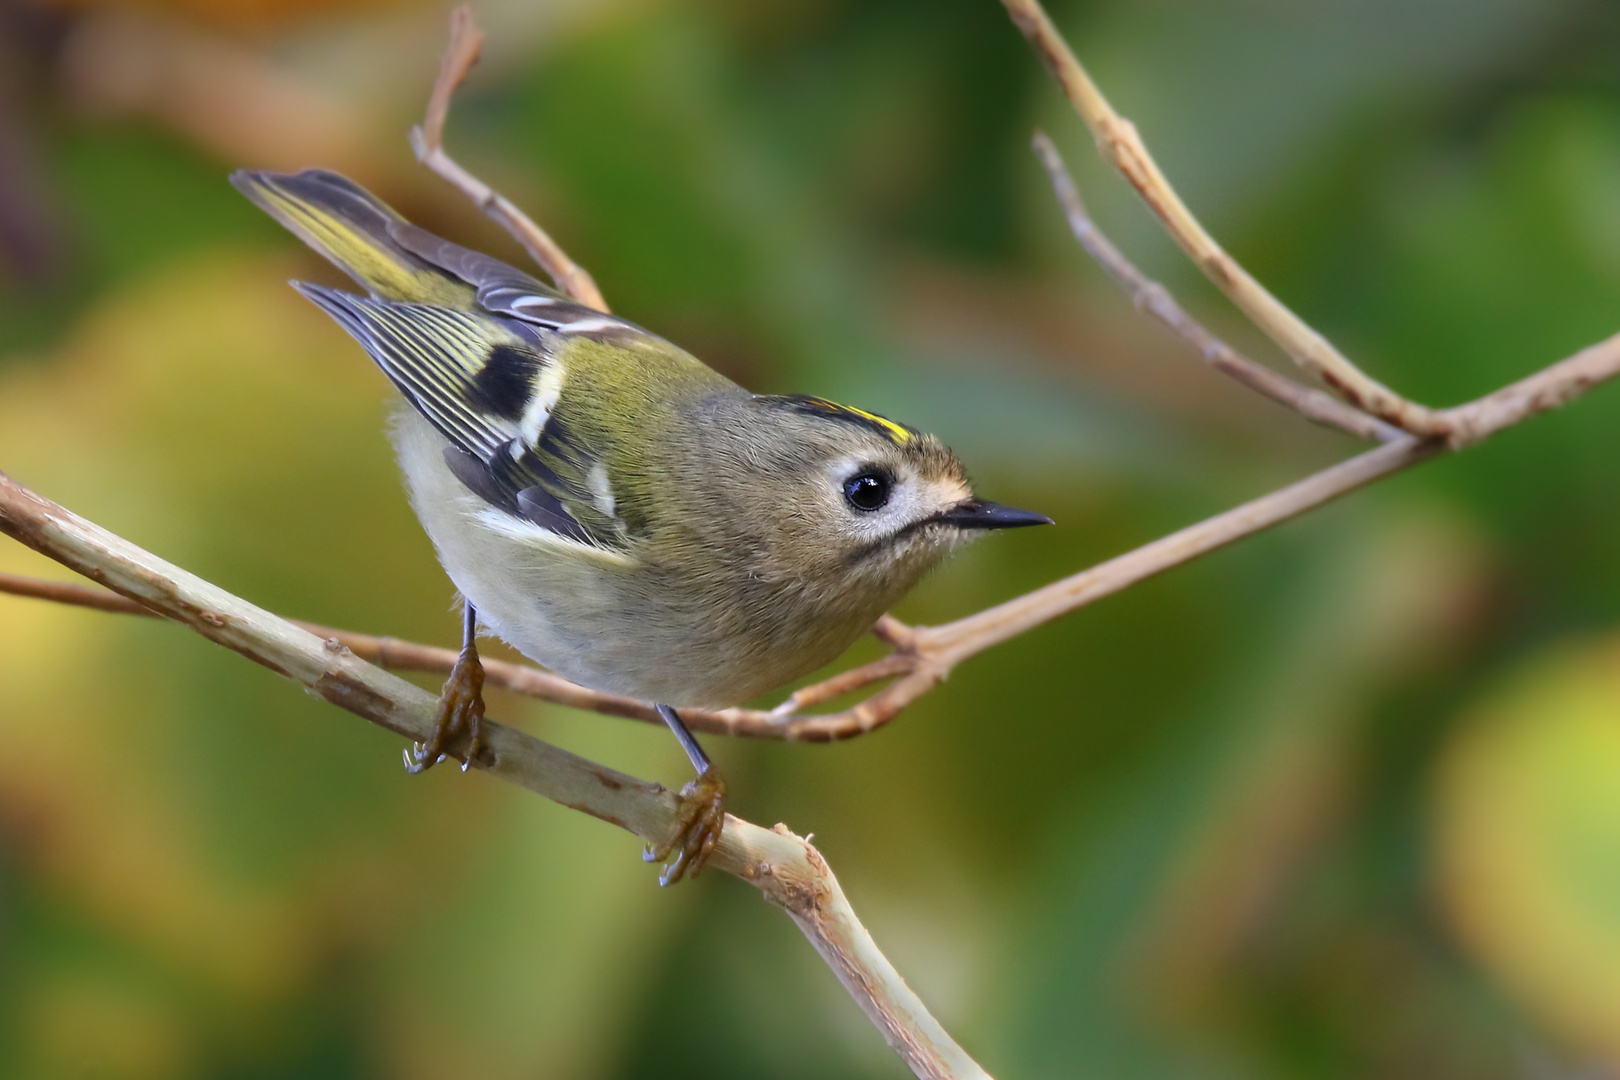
<point x="505" y="290"/>
<point x="396" y="260"/>
<point x="490" y="386"/>
<point x="475" y="346"/>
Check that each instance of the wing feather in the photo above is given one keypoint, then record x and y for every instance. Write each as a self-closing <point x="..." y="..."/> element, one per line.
<point x="489" y="388"/>
<point x="475" y="346"/>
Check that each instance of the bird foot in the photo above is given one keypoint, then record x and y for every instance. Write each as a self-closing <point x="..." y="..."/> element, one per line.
<point x="698" y="822"/>
<point x="461" y="709"/>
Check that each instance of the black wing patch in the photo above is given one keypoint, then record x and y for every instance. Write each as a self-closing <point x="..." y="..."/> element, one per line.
<point x="505" y="384"/>
<point x="478" y="380"/>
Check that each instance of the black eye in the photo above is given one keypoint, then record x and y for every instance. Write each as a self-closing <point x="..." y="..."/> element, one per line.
<point x="867" y="490"/>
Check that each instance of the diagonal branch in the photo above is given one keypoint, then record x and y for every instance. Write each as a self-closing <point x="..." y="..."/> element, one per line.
<point x="397" y="654"/>
<point x="1556" y="385"/>
<point x="958" y="640"/>
<point x="1155" y="299"/>
<point x="784" y="867"/>
<point x="1533" y="395"/>
<point x="1118" y="142"/>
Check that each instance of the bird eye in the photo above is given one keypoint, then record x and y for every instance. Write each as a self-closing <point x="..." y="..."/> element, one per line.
<point x="867" y="491"/>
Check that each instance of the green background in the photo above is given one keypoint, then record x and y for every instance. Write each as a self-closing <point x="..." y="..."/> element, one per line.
<point x="1337" y="802"/>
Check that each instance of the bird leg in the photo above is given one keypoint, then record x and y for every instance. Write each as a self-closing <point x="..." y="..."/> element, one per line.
<point x="461" y="705"/>
<point x="701" y="816"/>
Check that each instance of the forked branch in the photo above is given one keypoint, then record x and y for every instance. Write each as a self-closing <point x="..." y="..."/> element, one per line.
<point x="1120" y="144"/>
<point x="1155" y="299"/>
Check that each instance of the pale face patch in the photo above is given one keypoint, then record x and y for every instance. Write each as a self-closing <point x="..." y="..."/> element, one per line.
<point x="912" y="497"/>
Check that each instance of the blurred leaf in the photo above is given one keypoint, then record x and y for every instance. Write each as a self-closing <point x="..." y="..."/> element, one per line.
<point x="1162" y="886"/>
<point x="1527" y="839"/>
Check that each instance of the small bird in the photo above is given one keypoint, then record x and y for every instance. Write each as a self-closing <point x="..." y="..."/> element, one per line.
<point x="613" y="508"/>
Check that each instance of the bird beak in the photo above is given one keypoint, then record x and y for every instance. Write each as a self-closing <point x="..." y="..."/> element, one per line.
<point x="984" y="514"/>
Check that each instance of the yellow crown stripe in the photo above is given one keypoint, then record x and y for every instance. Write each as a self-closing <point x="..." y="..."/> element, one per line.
<point x="898" y="433"/>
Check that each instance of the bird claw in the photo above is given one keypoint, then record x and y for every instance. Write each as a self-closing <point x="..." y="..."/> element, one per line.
<point x="461" y="710"/>
<point x="417" y="754"/>
<point x="698" y="821"/>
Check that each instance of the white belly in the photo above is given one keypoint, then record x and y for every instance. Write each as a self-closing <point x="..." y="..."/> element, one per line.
<point x="597" y="619"/>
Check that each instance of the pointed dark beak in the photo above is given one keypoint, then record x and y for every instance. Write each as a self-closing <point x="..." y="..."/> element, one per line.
<point x="984" y="514"/>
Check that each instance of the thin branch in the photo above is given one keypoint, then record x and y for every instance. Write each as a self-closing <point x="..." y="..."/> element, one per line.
<point x="427" y="141"/>
<point x="74" y="595"/>
<point x="398" y="654"/>
<point x="466" y="44"/>
<point x="958" y="640"/>
<point x="784" y="867"/>
<point x="1119" y="143"/>
<point x="1533" y="395"/>
<point x="1155" y="299"/>
<point x="845" y="682"/>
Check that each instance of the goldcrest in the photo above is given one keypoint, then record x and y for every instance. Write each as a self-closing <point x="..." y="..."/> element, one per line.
<point x="613" y="508"/>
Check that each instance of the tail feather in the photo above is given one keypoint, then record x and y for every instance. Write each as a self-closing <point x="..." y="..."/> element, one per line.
<point x="355" y="230"/>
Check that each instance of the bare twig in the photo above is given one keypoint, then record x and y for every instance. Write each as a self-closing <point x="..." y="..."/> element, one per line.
<point x="1547" y="389"/>
<point x="466" y="45"/>
<point x="790" y="872"/>
<point x="397" y="654"/>
<point x="1155" y="299"/>
<point x="67" y="592"/>
<point x="845" y="682"/>
<point x="427" y="140"/>
<point x="965" y="637"/>
<point x="1119" y="143"/>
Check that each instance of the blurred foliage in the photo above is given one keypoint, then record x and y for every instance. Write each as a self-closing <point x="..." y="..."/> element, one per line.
<point x="1527" y="828"/>
<point x="1339" y="801"/>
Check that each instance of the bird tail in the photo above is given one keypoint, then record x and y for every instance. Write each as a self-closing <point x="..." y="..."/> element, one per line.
<point x="355" y="230"/>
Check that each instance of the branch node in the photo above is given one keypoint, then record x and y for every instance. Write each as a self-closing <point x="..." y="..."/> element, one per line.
<point x="1120" y="144"/>
<point x="1154" y="299"/>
